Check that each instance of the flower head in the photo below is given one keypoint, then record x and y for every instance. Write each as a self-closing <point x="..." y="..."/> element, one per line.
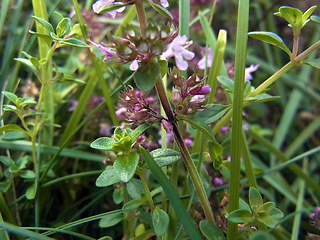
<point x="202" y="63"/>
<point x="177" y="49"/>
<point x="249" y="70"/>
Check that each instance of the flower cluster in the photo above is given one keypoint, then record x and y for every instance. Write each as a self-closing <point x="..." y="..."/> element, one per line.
<point x="315" y="218"/>
<point x="137" y="107"/>
<point x="188" y="95"/>
<point x="133" y="47"/>
<point x="99" y="5"/>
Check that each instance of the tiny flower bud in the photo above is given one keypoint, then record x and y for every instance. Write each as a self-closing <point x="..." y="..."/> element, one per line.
<point x="166" y="125"/>
<point x="202" y="90"/>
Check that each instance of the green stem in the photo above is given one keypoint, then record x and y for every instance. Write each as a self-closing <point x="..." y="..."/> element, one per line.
<point x="141" y="16"/>
<point x="146" y="188"/>
<point x="295" y="45"/>
<point x="192" y="170"/>
<point x="237" y="106"/>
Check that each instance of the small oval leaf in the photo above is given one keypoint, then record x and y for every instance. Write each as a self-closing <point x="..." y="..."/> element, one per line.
<point x="270" y="38"/>
<point x="32" y="191"/>
<point x="165" y="156"/>
<point x="125" y="166"/>
<point x="111" y="220"/>
<point x="103" y="143"/>
<point x="211" y="231"/>
<point x="160" y="221"/>
<point x="255" y="199"/>
<point x="240" y="216"/>
<point x="147" y="75"/>
<point x="107" y="178"/>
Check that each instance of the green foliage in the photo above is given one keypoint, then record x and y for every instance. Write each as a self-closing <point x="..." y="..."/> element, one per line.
<point x="160" y="9"/>
<point x="296" y="19"/>
<point x="211" y="231"/>
<point x="147" y="75"/>
<point x="125" y="166"/>
<point x="165" y="156"/>
<point x="271" y="38"/>
<point x="265" y="213"/>
<point x="160" y="221"/>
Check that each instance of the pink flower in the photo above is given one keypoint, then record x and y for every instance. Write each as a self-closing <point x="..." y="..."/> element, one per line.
<point x="177" y="49"/>
<point x="202" y="63"/>
<point x="100" y="4"/>
<point x="249" y="70"/>
<point x="200" y="90"/>
<point x="105" y="51"/>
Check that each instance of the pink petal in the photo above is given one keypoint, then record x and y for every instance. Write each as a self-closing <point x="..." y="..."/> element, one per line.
<point x="134" y="65"/>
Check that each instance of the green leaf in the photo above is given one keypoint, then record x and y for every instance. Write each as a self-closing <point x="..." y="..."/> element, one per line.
<point x="125" y="166"/>
<point x="163" y="65"/>
<point x="7" y="161"/>
<point x="271" y="38"/>
<point x="11" y="96"/>
<point x="213" y="113"/>
<point x="74" y="42"/>
<point x="240" y="216"/>
<point x="267" y="220"/>
<point x="135" y="189"/>
<point x="44" y="23"/>
<point x="315" y="18"/>
<point x="307" y="14"/>
<point x="211" y="231"/>
<point x="28" y="64"/>
<point x="46" y="37"/>
<point x="111" y="220"/>
<point x="12" y="127"/>
<point x="118" y="195"/>
<point x="111" y="6"/>
<point x="172" y="195"/>
<point x="160" y="221"/>
<point x="63" y="27"/>
<point x="147" y="75"/>
<point x="215" y="151"/>
<point x="160" y="9"/>
<point x="76" y="30"/>
<point x="264" y="97"/>
<point x="261" y="235"/>
<point x="165" y="156"/>
<point x="199" y="124"/>
<point x="28" y="174"/>
<point x="138" y="131"/>
<point x="276" y="213"/>
<point x="132" y="205"/>
<point x="32" y="191"/>
<point x="13" y="135"/>
<point x="107" y="178"/>
<point x="314" y="63"/>
<point x="255" y="199"/>
<point x="243" y="205"/>
<point x="267" y="207"/>
<point x="103" y="143"/>
<point x="227" y="83"/>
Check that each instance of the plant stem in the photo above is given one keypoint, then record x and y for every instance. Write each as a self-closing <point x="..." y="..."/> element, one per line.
<point x="295" y="45"/>
<point x="141" y="16"/>
<point x="146" y="188"/>
<point x="192" y="170"/>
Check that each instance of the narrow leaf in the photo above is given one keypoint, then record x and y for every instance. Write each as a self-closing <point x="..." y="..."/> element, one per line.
<point x="172" y="195"/>
<point x="132" y="205"/>
<point x="199" y="124"/>
<point x="160" y="9"/>
<point x="110" y="7"/>
<point x="63" y="27"/>
<point x="215" y="151"/>
<point x="314" y="63"/>
<point x="44" y="23"/>
<point x="12" y="127"/>
<point x="271" y="38"/>
<point x="11" y="96"/>
<point x="75" y="42"/>
<point x="315" y="18"/>
<point x="213" y="113"/>
<point x="28" y="64"/>
<point x="138" y="131"/>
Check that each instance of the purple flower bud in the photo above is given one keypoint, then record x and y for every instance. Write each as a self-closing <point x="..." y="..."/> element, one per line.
<point x="202" y="90"/>
<point x="188" y="142"/>
<point x="218" y="181"/>
<point x="166" y="125"/>
<point x="318" y="211"/>
<point x="312" y="216"/>
<point x="176" y="95"/>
